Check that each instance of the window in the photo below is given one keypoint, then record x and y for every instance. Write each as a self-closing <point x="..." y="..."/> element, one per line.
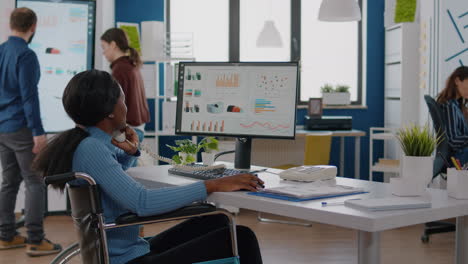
<point x="329" y="53"/>
<point x="253" y="14"/>
<point x="209" y="22"/>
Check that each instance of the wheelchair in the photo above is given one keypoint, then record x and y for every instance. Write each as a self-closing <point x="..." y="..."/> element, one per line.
<point x="89" y="222"/>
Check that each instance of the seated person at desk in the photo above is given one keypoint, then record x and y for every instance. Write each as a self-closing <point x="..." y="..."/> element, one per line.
<point x="453" y="100"/>
<point x="96" y="103"/>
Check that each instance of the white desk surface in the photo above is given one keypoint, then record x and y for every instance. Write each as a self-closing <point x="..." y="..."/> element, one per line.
<point x="442" y="206"/>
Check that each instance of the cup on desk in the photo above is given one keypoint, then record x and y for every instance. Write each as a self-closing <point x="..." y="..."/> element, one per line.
<point x="457" y="183"/>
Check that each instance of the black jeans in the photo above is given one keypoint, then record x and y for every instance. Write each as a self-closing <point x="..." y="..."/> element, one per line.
<point x="201" y="239"/>
<point x="16" y="158"/>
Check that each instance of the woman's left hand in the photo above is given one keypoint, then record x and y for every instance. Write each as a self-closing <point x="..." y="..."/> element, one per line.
<point x="130" y="145"/>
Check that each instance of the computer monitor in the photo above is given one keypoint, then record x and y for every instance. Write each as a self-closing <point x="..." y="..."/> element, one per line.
<point x="238" y="99"/>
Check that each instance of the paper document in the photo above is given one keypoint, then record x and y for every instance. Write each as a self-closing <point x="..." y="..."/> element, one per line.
<point x="388" y="203"/>
<point x="314" y="189"/>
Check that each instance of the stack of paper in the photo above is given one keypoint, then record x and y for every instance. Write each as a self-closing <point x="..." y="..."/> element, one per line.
<point x="388" y="203"/>
<point x="313" y="190"/>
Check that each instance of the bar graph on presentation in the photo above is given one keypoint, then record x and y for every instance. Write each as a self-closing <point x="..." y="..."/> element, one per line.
<point x="263" y="105"/>
<point x="227" y="80"/>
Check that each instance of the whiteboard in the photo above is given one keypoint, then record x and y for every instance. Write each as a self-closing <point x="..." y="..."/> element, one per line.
<point x="454" y="37"/>
<point x="64" y="45"/>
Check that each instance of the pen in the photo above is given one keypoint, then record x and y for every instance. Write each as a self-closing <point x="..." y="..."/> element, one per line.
<point x="454" y="161"/>
<point x="459" y="164"/>
<point x="336" y="203"/>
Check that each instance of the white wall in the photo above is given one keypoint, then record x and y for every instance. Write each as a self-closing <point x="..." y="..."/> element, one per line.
<point x="441" y="40"/>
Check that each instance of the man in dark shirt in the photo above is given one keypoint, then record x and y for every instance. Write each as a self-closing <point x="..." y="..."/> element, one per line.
<point x="21" y="137"/>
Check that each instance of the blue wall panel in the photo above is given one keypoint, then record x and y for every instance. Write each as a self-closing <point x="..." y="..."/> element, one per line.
<point x="135" y="11"/>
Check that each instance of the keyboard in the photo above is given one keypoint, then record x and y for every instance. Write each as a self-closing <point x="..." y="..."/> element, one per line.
<point x="205" y="174"/>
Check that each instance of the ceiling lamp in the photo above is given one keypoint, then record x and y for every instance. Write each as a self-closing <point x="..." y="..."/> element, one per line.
<point x="269" y="36"/>
<point x="339" y="11"/>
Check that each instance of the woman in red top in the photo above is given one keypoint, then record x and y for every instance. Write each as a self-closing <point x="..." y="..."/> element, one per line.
<point x="125" y="64"/>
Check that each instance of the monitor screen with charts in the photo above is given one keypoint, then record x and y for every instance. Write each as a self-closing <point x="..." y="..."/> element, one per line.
<point x="247" y="99"/>
<point x="64" y="45"/>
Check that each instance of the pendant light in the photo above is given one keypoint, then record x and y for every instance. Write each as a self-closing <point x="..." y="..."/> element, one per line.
<point x="339" y="11"/>
<point x="269" y="36"/>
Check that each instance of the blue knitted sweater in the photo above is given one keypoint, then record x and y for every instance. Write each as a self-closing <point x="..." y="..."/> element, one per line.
<point x="98" y="157"/>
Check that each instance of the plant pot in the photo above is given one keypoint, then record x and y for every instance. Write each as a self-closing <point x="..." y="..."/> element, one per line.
<point x="415" y="175"/>
<point x="336" y="98"/>
<point x="184" y="157"/>
<point x="457" y="183"/>
<point x="208" y="158"/>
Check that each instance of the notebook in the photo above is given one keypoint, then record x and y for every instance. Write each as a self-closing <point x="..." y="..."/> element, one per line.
<point x="308" y="191"/>
<point x="388" y="203"/>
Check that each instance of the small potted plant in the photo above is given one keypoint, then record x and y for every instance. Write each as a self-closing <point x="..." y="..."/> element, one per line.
<point x="416" y="165"/>
<point x="187" y="151"/>
<point x="208" y="145"/>
<point x="336" y="96"/>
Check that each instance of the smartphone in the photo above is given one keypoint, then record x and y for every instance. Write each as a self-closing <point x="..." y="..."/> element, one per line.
<point x="119" y="136"/>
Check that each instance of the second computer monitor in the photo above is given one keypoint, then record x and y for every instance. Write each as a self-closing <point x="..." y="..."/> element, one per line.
<point x="237" y="99"/>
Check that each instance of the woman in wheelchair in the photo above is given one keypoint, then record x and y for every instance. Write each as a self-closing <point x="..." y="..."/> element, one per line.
<point x="95" y="102"/>
<point x="454" y="103"/>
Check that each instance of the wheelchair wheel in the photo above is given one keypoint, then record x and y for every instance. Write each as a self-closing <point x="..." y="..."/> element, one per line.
<point x="69" y="255"/>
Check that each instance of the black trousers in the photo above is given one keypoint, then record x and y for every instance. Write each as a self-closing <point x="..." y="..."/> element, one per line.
<point x="201" y="239"/>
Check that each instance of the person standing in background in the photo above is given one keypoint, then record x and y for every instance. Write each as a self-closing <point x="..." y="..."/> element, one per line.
<point x="21" y="137"/>
<point x="125" y="64"/>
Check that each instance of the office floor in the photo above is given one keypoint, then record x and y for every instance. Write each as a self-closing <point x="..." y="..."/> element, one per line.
<point x="282" y="244"/>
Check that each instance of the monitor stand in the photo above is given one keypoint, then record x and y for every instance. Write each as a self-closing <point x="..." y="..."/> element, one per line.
<point x="243" y="150"/>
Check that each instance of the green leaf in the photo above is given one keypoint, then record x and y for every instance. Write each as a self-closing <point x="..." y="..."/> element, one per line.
<point x="208" y="144"/>
<point x="327" y="88"/>
<point x="418" y="141"/>
<point x="190" y="159"/>
<point x="177" y="159"/>
<point x="173" y="148"/>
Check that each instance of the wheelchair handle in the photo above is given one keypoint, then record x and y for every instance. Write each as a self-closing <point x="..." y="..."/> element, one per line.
<point x="69" y="176"/>
<point x="60" y="178"/>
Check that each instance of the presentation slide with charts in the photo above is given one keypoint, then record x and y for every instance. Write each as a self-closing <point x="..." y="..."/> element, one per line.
<point x="64" y="44"/>
<point x="240" y="99"/>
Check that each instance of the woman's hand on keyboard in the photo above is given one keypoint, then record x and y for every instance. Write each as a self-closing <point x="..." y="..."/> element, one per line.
<point x="238" y="182"/>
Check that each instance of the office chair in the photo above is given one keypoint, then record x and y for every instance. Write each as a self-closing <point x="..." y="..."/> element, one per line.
<point x="89" y="221"/>
<point x="443" y="151"/>
<point x="316" y="152"/>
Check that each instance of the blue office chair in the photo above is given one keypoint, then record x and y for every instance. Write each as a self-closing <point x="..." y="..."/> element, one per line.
<point x="443" y="149"/>
<point x="443" y="152"/>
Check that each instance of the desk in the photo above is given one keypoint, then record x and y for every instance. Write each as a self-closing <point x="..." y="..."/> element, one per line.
<point x="368" y="224"/>
<point x="274" y="152"/>
<point x="357" y="134"/>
